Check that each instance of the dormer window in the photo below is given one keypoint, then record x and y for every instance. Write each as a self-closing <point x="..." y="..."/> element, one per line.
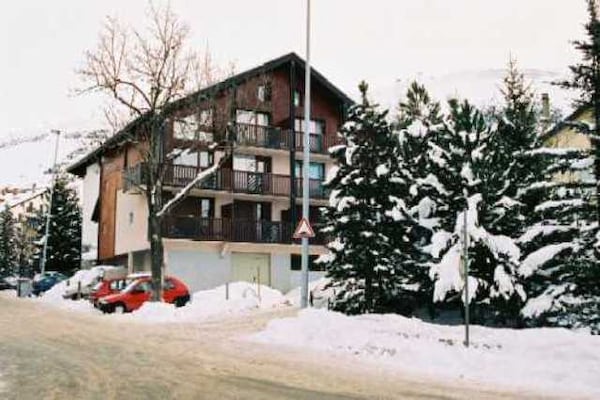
<point x="263" y="93"/>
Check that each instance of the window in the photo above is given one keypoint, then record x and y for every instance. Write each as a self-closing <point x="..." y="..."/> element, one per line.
<point x="316" y="170"/>
<point x="316" y="127"/>
<point x="205" y="118"/>
<point x="205" y="159"/>
<point x="205" y="209"/>
<point x="296" y="263"/>
<point x="244" y="163"/>
<point x="168" y="284"/>
<point x="131" y="218"/>
<point x="263" y="93"/>
<point x="185" y="128"/>
<point x="297" y="98"/>
<point x="189" y="158"/>
<point x="195" y="126"/>
<point x="252" y="118"/>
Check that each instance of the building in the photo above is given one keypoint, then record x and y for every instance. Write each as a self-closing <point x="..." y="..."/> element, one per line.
<point x="238" y="224"/>
<point x="565" y="135"/>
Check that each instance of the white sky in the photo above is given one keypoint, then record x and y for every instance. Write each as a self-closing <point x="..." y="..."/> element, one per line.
<point x="42" y="43"/>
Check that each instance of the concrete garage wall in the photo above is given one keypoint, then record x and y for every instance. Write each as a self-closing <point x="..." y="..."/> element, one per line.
<point x="199" y="270"/>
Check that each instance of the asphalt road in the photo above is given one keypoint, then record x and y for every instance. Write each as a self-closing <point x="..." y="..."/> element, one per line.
<point x="46" y="353"/>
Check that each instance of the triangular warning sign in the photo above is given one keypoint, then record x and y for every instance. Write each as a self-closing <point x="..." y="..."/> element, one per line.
<point x="304" y="230"/>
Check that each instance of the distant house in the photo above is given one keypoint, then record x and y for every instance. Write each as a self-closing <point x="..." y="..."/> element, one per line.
<point x="237" y="225"/>
<point x="565" y="135"/>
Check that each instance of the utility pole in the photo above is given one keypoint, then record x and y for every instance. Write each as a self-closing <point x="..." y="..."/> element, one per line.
<point x="306" y="162"/>
<point x="465" y="264"/>
<point x="49" y="213"/>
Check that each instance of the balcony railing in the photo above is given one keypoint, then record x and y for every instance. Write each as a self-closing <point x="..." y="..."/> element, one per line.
<point x="281" y="139"/>
<point x="228" y="180"/>
<point x="215" y="229"/>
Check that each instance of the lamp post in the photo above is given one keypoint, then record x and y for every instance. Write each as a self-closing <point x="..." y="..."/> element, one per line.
<point x="49" y="213"/>
<point x="306" y="163"/>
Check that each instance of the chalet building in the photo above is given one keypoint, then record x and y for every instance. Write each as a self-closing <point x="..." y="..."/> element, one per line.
<point x="238" y="224"/>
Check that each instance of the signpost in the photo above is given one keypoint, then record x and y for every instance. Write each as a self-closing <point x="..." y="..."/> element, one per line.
<point x="465" y="270"/>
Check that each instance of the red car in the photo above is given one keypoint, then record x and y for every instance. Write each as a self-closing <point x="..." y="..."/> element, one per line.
<point x="139" y="291"/>
<point x="112" y="286"/>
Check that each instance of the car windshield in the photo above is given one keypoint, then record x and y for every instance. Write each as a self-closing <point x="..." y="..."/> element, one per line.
<point x="136" y="284"/>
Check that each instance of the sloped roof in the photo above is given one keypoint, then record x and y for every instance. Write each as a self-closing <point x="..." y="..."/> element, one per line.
<point x="578" y="112"/>
<point x="121" y="137"/>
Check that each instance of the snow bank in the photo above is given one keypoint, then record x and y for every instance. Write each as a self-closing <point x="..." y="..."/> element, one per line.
<point x="243" y="297"/>
<point x="321" y="295"/>
<point x="550" y="360"/>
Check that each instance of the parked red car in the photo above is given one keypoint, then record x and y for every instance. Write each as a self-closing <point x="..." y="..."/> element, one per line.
<point x="112" y="286"/>
<point x="139" y="291"/>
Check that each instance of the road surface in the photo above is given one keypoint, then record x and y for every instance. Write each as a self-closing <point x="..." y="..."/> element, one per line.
<point x="48" y="353"/>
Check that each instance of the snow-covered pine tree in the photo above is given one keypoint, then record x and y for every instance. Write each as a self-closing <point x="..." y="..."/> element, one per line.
<point x="8" y="256"/>
<point x="513" y="169"/>
<point x="371" y="261"/>
<point x="418" y="124"/>
<point x="64" y="242"/>
<point x="560" y="260"/>
<point x="467" y="144"/>
<point x="585" y="80"/>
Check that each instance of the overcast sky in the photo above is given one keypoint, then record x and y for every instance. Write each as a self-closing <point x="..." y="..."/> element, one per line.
<point x="42" y="43"/>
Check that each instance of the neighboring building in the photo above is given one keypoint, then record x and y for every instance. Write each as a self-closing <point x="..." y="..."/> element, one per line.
<point x="26" y="208"/>
<point x="238" y="224"/>
<point x="564" y="135"/>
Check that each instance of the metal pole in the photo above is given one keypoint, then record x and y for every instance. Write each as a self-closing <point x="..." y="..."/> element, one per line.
<point x="48" y="214"/>
<point x="306" y="162"/>
<point x="466" y="271"/>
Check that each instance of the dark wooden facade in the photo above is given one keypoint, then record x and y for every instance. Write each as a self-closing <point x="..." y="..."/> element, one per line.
<point x="281" y="77"/>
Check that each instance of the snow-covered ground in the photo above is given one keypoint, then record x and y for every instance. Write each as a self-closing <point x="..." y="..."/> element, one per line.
<point x="242" y="298"/>
<point x="549" y="360"/>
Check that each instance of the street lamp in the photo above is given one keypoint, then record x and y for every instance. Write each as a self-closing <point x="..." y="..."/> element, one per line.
<point x="306" y="163"/>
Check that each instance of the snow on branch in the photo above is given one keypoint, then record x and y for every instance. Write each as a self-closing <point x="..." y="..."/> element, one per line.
<point x="202" y="175"/>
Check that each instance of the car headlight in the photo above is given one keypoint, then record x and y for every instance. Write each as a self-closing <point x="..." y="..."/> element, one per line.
<point x="102" y="301"/>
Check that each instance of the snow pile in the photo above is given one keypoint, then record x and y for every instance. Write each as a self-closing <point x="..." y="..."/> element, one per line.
<point x="553" y="360"/>
<point x="243" y="297"/>
<point x="86" y="277"/>
<point x="320" y="294"/>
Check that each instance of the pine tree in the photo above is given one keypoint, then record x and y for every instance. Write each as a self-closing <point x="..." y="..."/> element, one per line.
<point x="371" y="264"/>
<point x="8" y="258"/>
<point x="468" y="145"/>
<point x="586" y="80"/>
<point x="64" y="238"/>
<point x="418" y="124"/>
<point x="560" y="258"/>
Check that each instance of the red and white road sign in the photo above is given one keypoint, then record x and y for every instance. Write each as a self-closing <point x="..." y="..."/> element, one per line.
<point x="304" y="230"/>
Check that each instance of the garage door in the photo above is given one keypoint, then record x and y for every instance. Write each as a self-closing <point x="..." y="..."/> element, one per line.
<point x="251" y="267"/>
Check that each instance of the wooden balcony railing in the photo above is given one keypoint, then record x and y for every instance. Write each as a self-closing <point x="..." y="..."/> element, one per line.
<point x="230" y="181"/>
<point x="281" y="139"/>
<point x="229" y="230"/>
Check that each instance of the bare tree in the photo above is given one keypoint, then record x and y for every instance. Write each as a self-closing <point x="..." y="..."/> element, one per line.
<point x="143" y="72"/>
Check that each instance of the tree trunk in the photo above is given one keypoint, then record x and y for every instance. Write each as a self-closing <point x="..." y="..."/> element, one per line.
<point x="156" y="253"/>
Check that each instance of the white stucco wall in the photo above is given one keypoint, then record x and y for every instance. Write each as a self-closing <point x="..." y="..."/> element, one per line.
<point x="199" y="269"/>
<point x="204" y="265"/>
<point x="91" y="190"/>
<point x="131" y="224"/>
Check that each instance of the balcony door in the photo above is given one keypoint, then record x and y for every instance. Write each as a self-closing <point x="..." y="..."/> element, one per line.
<point x="251" y="174"/>
<point x="251" y="127"/>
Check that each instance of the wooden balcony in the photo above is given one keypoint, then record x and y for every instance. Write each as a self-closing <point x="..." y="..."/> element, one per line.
<point x="228" y="180"/>
<point x="228" y="230"/>
<point x="281" y="139"/>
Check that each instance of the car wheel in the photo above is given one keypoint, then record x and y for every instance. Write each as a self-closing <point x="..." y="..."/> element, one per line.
<point x="180" y="301"/>
<point x="119" y="309"/>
